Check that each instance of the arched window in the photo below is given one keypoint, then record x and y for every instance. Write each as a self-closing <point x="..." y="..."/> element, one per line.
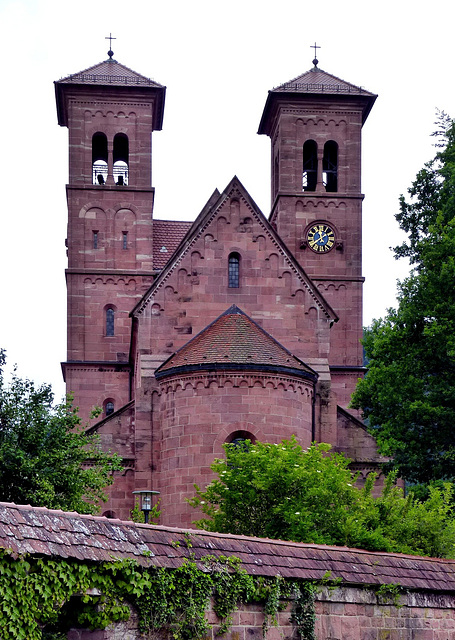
<point x="99" y="158"/>
<point x="234" y="271"/>
<point x="120" y="158"/>
<point x="238" y="438"/>
<point x="109" y="408"/>
<point x="330" y="166"/>
<point x="110" y="316"/>
<point x="310" y="166"/>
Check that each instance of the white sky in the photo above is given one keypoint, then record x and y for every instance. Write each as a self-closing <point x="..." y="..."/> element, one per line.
<point x="218" y="60"/>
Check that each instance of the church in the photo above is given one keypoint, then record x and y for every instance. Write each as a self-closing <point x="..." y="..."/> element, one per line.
<point x="235" y="326"/>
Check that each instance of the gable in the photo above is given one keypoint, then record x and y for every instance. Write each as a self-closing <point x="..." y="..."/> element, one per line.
<point x="227" y="208"/>
<point x="193" y="289"/>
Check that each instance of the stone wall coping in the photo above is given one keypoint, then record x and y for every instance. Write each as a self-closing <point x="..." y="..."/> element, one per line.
<point x="44" y="532"/>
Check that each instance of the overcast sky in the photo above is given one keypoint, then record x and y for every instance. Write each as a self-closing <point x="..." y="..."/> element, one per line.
<point x="218" y="60"/>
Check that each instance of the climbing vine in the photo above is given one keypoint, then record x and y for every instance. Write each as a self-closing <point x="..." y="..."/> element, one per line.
<point x="41" y="598"/>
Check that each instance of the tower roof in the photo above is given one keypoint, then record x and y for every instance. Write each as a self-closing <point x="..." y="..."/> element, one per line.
<point x="108" y="73"/>
<point x="318" y="81"/>
<point x="315" y="82"/>
<point x="231" y="341"/>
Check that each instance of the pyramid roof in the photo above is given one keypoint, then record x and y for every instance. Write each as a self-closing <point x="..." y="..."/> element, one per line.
<point x="316" y="82"/>
<point x="108" y="73"/>
<point x="231" y="341"/>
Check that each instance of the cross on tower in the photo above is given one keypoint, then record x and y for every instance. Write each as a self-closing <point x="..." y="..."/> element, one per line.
<point x="110" y="53"/>
<point x="315" y="46"/>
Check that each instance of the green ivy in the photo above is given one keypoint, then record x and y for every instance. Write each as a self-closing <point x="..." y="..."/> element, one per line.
<point x="42" y="598"/>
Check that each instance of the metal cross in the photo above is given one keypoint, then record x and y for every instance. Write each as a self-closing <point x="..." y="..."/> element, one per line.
<point x="110" y="53"/>
<point x="315" y="46"/>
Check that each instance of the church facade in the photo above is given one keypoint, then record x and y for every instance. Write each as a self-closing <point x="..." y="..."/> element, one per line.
<point x="234" y="326"/>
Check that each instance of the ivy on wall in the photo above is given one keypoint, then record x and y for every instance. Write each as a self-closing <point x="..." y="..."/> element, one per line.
<point x="41" y="598"/>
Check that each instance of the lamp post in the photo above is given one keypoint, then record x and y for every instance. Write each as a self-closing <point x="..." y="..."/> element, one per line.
<point x="145" y="497"/>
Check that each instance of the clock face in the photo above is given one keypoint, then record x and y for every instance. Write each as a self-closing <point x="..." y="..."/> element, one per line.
<point x="321" y="238"/>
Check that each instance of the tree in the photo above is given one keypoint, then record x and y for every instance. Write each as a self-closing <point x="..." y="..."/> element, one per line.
<point x="46" y="459"/>
<point x="408" y="394"/>
<point x="284" y="491"/>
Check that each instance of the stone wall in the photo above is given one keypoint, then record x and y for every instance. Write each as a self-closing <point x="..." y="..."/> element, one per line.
<point x="341" y="614"/>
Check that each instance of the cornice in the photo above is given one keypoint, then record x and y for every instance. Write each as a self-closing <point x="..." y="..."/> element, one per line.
<point x="99" y="188"/>
<point x="317" y="278"/>
<point x="109" y="272"/>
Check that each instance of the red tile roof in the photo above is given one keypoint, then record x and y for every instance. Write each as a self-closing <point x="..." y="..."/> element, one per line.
<point x="318" y="81"/>
<point x="40" y="531"/>
<point x="109" y="72"/>
<point x="167" y="235"/>
<point x="233" y="338"/>
<point x="314" y="82"/>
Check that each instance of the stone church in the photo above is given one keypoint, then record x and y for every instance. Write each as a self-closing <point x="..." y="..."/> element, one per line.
<point x="234" y="326"/>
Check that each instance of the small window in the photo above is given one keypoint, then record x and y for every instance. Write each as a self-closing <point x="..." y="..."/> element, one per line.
<point x="234" y="270"/>
<point x="239" y="439"/>
<point x="109" y="408"/>
<point x="125" y="240"/>
<point x="330" y="166"/>
<point x="310" y="166"/>
<point x="110" y="322"/>
<point x="95" y="239"/>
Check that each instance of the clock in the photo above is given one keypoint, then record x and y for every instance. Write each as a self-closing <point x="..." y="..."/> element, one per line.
<point x="321" y="238"/>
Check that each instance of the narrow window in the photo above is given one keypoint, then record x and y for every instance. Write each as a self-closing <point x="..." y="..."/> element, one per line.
<point x="330" y="166"/>
<point x="95" y="239"/>
<point x="310" y="166"/>
<point x="109" y="408"/>
<point x="120" y="159"/>
<point x="99" y="158"/>
<point x="234" y="270"/>
<point x="276" y="169"/>
<point x="109" y="322"/>
<point x="125" y="240"/>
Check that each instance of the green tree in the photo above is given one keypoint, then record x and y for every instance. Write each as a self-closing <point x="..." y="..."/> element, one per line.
<point x="408" y="394"/>
<point x="46" y="459"/>
<point x="284" y="491"/>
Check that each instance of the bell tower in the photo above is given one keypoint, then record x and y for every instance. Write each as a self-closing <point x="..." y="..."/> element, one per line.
<point x="315" y="123"/>
<point x="111" y="112"/>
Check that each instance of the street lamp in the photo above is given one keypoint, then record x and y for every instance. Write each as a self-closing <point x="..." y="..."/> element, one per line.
<point x="145" y="497"/>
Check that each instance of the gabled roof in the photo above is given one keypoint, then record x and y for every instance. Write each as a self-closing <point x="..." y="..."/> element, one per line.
<point x="199" y="227"/>
<point x="109" y="73"/>
<point x="167" y="235"/>
<point x="231" y="340"/>
<point x="50" y="533"/>
<point x="315" y="82"/>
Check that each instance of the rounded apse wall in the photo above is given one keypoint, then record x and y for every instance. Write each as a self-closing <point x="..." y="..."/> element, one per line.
<point x="198" y="412"/>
